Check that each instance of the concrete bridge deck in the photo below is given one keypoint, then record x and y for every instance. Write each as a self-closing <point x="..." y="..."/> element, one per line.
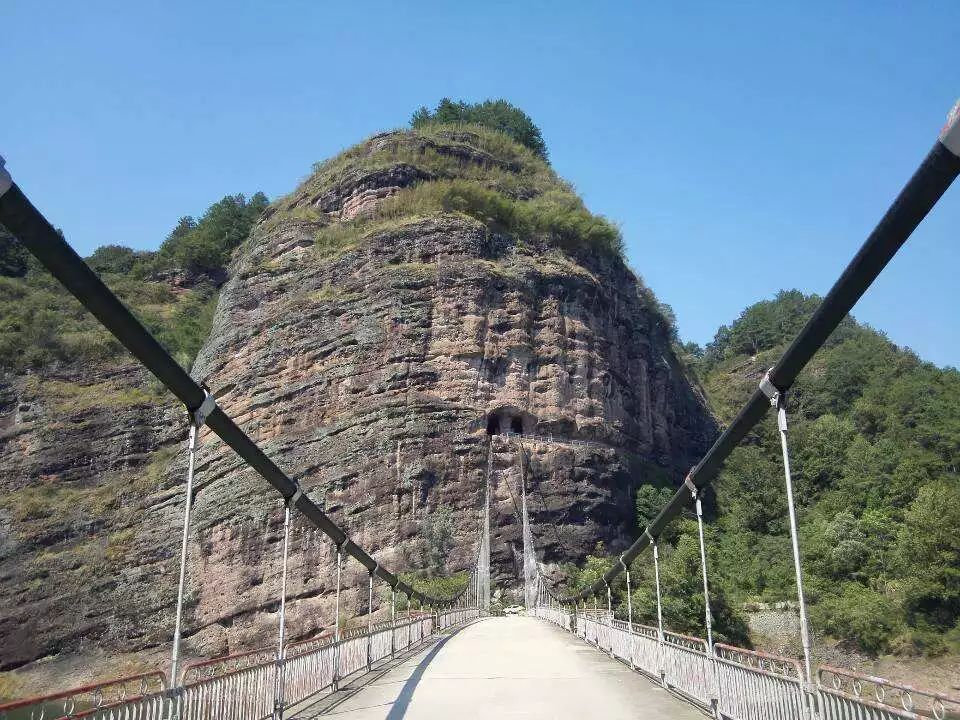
<point x="503" y="667"/>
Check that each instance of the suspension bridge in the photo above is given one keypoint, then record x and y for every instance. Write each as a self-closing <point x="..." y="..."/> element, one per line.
<point x="569" y="656"/>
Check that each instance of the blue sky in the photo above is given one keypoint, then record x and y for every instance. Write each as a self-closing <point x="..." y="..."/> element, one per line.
<point x="742" y="147"/>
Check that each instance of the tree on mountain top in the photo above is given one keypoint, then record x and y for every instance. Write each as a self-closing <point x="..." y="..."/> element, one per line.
<point x="495" y="114"/>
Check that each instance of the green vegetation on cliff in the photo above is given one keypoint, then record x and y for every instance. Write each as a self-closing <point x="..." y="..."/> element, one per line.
<point x="497" y="115"/>
<point x="40" y="323"/>
<point x="442" y="588"/>
<point x="470" y="167"/>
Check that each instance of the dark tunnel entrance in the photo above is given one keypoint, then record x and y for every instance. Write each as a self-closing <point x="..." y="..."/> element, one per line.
<point x="501" y="421"/>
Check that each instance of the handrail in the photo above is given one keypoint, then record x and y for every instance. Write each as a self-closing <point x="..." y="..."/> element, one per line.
<point x="263" y="656"/>
<point x="850" y="684"/>
<point x="32" y="229"/>
<point x="777" y="665"/>
<point x="92" y="699"/>
<point x="96" y="692"/>
<point x="239" y="661"/>
<point x="930" y="181"/>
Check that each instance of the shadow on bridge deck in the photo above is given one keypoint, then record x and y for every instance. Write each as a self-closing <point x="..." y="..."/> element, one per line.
<point x="513" y="666"/>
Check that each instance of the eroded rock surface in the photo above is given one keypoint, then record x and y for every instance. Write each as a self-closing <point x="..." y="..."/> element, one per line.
<point x="383" y="374"/>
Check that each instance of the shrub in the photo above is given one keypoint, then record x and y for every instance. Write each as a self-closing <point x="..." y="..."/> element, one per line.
<point x="436" y="531"/>
<point x="443" y="588"/>
<point x="860" y="614"/>
<point x="562" y="217"/>
<point x="13" y="255"/>
<point x="184" y="333"/>
<point x="40" y="323"/>
<point x="498" y="115"/>
<point x="114" y="259"/>
<point x="928" y="551"/>
<point x="650" y="500"/>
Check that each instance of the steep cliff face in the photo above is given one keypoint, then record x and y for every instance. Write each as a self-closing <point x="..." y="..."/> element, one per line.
<point x="386" y="371"/>
<point x="82" y="454"/>
<point x="380" y="340"/>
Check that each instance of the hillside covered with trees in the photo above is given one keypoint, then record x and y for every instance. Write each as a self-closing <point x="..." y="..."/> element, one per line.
<point x="875" y="440"/>
<point x="172" y="290"/>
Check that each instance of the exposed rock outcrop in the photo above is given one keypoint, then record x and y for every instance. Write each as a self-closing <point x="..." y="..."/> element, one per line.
<point x="382" y="371"/>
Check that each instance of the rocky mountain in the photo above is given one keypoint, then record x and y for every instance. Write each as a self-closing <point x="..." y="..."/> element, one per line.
<point x="392" y="333"/>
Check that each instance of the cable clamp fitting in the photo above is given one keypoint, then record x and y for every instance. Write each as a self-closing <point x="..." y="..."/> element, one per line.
<point x="201" y="414"/>
<point x="769" y="389"/>
<point x="949" y="136"/>
<point x="691" y="486"/>
<point x="292" y="500"/>
<point x="651" y="538"/>
<point x="6" y="182"/>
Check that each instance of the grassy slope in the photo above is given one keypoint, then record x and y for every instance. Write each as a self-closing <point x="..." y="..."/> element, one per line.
<point x="470" y="171"/>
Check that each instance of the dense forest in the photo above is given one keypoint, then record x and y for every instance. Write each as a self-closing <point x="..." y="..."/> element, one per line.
<point x="874" y="439"/>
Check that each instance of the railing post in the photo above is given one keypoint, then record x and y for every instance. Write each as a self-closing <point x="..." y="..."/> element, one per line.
<point x="609" y="617"/>
<point x="779" y="400"/>
<point x="336" y="623"/>
<point x="708" y="616"/>
<point x="393" y="622"/>
<point x="281" y="652"/>
<point x="370" y="619"/>
<point x="197" y="419"/>
<point x="660" y="636"/>
<point x="626" y="571"/>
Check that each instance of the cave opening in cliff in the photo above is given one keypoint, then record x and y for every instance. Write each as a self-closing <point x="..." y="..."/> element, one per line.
<point x="493" y="425"/>
<point x="516" y="425"/>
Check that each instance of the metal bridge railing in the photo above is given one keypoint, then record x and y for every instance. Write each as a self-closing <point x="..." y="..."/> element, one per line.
<point x="687" y="667"/>
<point x="739" y="684"/>
<point x="141" y="696"/>
<point x="846" y="695"/>
<point x="242" y="686"/>
<point x="758" y="686"/>
<point x="646" y="655"/>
